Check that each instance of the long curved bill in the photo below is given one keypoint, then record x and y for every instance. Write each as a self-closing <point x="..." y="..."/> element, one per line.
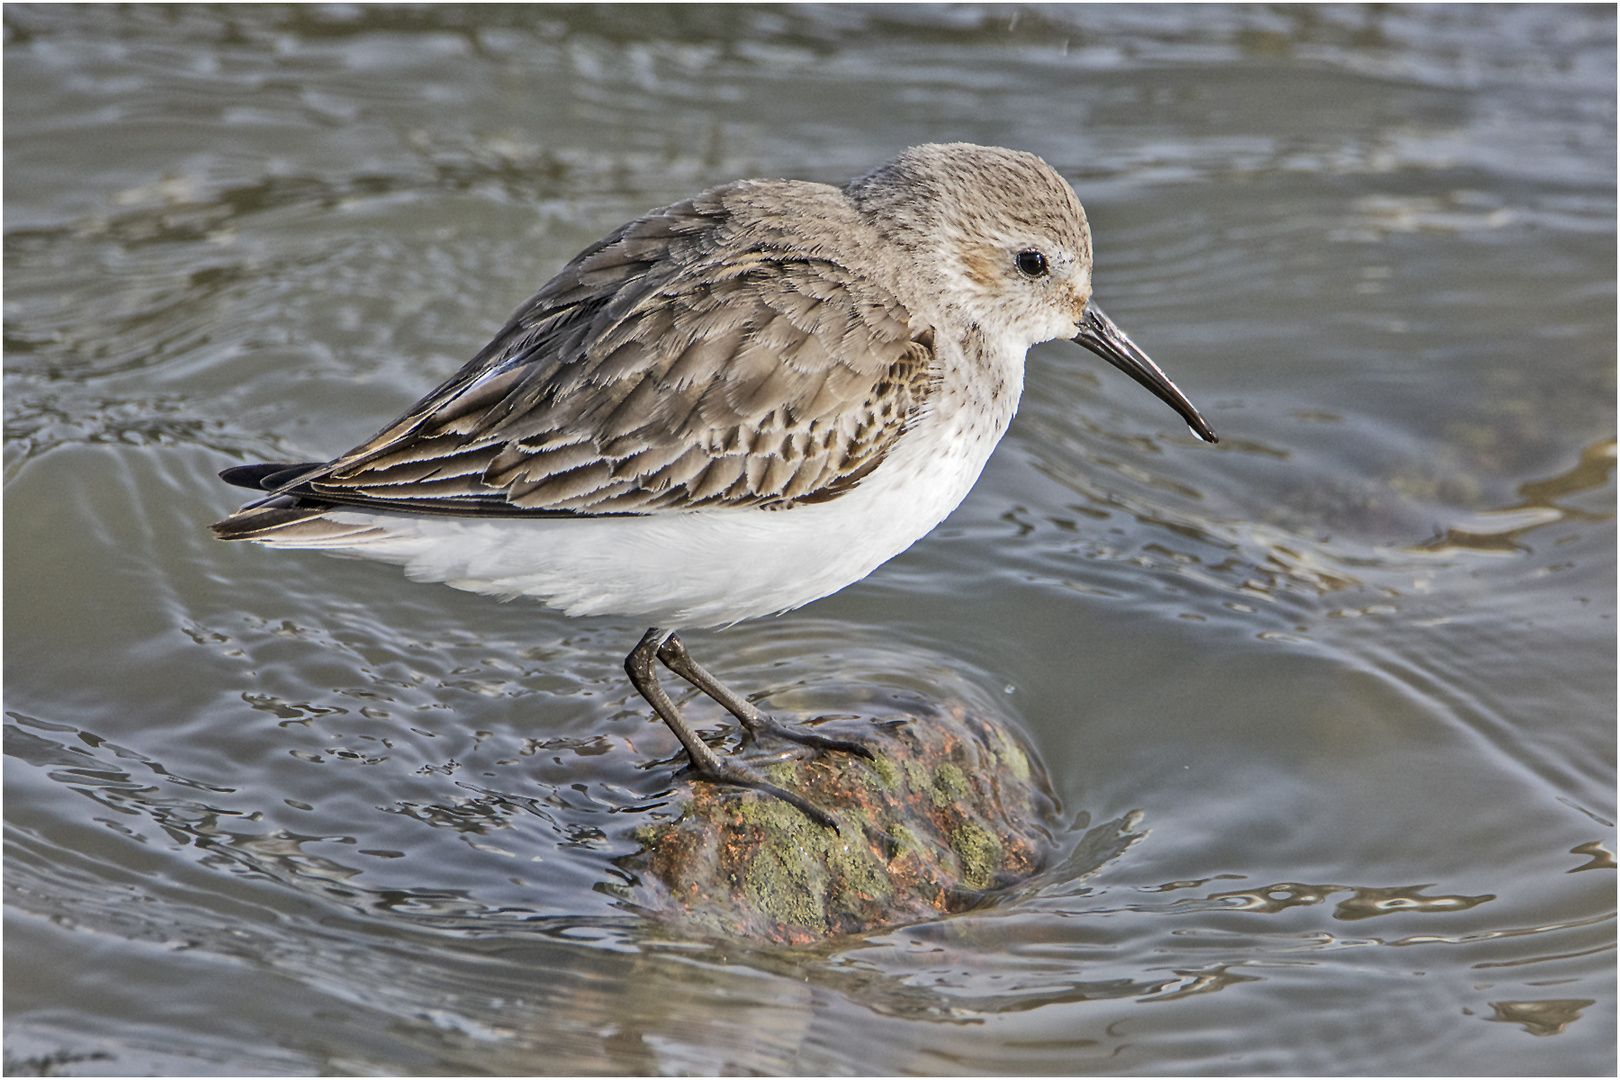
<point x="1099" y="334"/>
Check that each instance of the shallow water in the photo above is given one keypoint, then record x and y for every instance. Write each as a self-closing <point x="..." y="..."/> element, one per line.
<point x="1330" y="706"/>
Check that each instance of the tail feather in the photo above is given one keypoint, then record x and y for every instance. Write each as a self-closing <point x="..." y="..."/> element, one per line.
<point x="267" y="476"/>
<point x="284" y="518"/>
<point x="295" y="526"/>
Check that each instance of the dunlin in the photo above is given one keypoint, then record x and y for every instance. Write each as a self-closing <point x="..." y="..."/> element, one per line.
<point x="725" y="409"/>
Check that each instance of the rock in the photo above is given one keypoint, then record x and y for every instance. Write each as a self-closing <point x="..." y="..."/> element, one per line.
<point x="955" y="806"/>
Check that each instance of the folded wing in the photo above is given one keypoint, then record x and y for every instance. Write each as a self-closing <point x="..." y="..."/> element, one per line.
<point x="685" y="361"/>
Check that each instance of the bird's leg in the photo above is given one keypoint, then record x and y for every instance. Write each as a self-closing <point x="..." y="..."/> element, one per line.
<point x="675" y="657"/>
<point x="639" y="666"/>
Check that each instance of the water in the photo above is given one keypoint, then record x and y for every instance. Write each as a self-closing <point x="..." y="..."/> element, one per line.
<point x="1330" y="706"/>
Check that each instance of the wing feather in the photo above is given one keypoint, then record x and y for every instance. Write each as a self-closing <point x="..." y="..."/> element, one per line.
<point x="665" y="368"/>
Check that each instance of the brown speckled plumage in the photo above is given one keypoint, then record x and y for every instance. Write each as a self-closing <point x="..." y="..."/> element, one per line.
<point x="692" y="358"/>
<point x="728" y="407"/>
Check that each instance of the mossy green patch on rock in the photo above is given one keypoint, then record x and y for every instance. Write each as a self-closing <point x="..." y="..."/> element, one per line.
<point x="791" y="892"/>
<point x="861" y="882"/>
<point x="887" y="774"/>
<point x="916" y="775"/>
<point x="949" y="786"/>
<point x="979" y="853"/>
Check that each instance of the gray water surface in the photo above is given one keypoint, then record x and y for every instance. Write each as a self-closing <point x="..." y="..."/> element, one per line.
<point x="1330" y="706"/>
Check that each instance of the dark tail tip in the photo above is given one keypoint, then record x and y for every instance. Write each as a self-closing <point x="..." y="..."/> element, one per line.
<point x="266" y="476"/>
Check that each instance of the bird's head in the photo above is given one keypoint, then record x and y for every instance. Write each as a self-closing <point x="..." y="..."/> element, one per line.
<point x="998" y="241"/>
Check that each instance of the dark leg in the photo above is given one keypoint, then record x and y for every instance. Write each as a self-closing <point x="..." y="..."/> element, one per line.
<point x="675" y="657"/>
<point x="639" y="666"/>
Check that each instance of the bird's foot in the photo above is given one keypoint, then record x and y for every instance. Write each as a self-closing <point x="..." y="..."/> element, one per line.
<point x="736" y="777"/>
<point x="764" y="725"/>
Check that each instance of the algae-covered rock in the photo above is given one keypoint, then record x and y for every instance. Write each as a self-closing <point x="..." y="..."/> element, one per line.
<point x="953" y="806"/>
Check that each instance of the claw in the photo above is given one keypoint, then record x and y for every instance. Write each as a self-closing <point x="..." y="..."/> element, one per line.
<point x="738" y="778"/>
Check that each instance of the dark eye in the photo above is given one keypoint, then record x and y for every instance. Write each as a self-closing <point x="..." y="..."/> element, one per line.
<point x="1030" y="263"/>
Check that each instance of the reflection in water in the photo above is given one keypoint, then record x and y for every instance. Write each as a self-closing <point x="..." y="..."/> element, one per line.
<point x="1601" y="857"/>
<point x="1367" y="903"/>
<point x="1506" y="932"/>
<point x="1363" y="903"/>
<point x="1500" y="531"/>
<point x="1549" y="1017"/>
<point x="1380" y="215"/>
<point x="1207" y="981"/>
<point x="1267" y="562"/>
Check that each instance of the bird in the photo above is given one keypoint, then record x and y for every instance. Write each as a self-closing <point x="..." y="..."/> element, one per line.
<point x="725" y="409"/>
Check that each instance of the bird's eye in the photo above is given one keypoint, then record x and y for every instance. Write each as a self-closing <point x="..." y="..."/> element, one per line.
<point x="1030" y="263"/>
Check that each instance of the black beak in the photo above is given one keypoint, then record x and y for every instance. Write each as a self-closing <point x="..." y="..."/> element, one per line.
<point x="1099" y="334"/>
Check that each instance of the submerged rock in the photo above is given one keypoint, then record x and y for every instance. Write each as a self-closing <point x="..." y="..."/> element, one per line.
<point x="954" y="806"/>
